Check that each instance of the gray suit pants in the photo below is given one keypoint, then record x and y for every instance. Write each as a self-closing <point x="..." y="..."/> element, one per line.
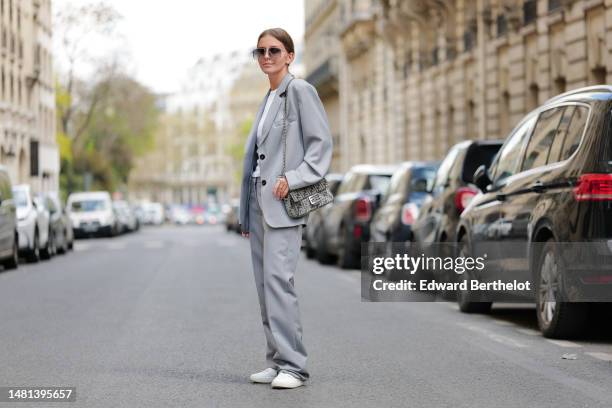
<point x="275" y="253"/>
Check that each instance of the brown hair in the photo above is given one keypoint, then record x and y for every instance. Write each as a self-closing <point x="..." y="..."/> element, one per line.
<point x="281" y="35"/>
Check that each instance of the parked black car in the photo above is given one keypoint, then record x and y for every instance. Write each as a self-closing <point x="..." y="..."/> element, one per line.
<point x="315" y="218"/>
<point x="550" y="183"/>
<point x="451" y="191"/>
<point x="347" y="223"/>
<point x="9" y="240"/>
<point x="400" y="206"/>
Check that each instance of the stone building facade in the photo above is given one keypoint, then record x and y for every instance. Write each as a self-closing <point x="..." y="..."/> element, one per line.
<point x="28" y="147"/>
<point x="416" y="76"/>
<point x="321" y="59"/>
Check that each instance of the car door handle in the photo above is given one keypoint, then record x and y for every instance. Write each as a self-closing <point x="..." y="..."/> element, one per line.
<point x="537" y="187"/>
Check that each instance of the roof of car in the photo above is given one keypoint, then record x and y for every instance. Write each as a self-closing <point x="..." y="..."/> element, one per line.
<point x="89" y="194"/>
<point x="419" y="163"/>
<point x="334" y="176"/>
<point x="375" y="168"/>
<point x="600" y="92"/>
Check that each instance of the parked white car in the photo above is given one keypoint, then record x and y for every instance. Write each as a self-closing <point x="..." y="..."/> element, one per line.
<point x="32" y="225"/>
<point x="91" y="213"/>
<point x="127" y="218"/>
<point x="154" y="213"/>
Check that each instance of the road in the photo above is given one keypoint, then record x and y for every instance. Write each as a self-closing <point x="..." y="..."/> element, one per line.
<point x="168" y="317"/>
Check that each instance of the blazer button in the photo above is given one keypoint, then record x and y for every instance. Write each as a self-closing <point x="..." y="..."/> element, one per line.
<point x="262" y="156"/>
<point x="263" y="182"/>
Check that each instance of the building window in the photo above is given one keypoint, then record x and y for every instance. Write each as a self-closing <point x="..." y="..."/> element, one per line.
<point x="34" y="158"/>
<point x="533" y="96"/>
<point x="435" y="56"/>
<point x="559" y="85"/>
<point x="502" y="25"/>
<point x="554" y="5"/>
<point x="598" y="75"/>
<point x="530" y="11"/>
<point x="469" y="40"/>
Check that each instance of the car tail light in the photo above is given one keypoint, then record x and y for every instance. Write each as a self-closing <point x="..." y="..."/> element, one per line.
<point x="363" y="209"/>
<point x="410" y="212"/>
<point x="463" y="196"/>
<point x="594" y="187"/>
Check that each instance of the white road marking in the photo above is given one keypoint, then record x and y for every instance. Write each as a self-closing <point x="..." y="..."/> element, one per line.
<point x="508" y="341"/>
<point x="601" y="356"/>
<point x="503" y="322"/>
<point x="564" y="343"/>
<point x="153" y="244"/>
<point x="81" y="246"/>
<point x="115" y="245"/>
<point x="449" y="304"/>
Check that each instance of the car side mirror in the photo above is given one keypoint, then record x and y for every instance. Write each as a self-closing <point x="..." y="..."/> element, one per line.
<point x="481" y="178"/>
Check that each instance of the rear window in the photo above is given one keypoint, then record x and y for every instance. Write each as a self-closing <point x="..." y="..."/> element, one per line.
<point x="477" y="155"/>
<point x="21" y="198"/>
<point x="422" y="179"/>
<point x="378" y="182"/>
<point x="445" y="168"/>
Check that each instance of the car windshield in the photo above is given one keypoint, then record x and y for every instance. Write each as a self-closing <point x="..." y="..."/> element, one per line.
<point x="21" y="198"/>
<point x="379" y="182"/>
<point x="88" y="205"/>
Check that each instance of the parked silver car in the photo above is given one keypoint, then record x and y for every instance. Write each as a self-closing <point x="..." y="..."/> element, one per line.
<point x="32" y="225"/>
<point x="9" y="240"/>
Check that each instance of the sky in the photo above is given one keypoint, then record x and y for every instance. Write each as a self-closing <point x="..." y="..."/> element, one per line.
<point x="165" y="37"/>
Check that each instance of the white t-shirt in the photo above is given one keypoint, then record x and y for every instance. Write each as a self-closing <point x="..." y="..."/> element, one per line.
<point x="260" y="126"/>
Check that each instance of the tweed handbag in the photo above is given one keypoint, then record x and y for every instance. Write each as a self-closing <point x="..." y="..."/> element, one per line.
<point x="301" y="201"/>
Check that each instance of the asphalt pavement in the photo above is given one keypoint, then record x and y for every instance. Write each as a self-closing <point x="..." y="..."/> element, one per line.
<point x="168" y="317"/>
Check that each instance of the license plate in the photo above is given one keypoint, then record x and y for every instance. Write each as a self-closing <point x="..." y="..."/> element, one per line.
<point x="90" y="228"/>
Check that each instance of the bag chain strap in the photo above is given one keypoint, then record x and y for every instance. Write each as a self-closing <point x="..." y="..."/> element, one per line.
<point x="284" y="132"/>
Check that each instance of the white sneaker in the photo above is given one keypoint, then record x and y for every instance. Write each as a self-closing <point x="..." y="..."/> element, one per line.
<point x="264" y="377"/>
<point x="284" y="380"/>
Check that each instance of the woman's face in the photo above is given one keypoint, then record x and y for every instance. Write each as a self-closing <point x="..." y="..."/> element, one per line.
<point x="272" y="64"/>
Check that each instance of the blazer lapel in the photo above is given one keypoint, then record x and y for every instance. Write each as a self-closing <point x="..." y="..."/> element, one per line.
<point x="276" y="105"/>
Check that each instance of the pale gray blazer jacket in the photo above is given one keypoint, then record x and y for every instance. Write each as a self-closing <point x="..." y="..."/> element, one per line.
<point x="309" y="150"/>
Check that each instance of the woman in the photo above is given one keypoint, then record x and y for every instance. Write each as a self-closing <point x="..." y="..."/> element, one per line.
<point x="275" y="238"/>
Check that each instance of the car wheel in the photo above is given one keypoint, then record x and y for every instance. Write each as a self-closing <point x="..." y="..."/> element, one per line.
<point x="308" y="248"/>
<point x="13" y="261"/>
<point x="466" y="299"/>
<point x="346" y="258"/>
<point x="64" y="248"/>
<point x="556" y="319"/>
<point x="47" y="251"/>
<point x="34" y="252"/>
<point x="323" y="256"/>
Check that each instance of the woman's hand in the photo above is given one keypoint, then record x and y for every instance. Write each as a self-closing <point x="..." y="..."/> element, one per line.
<point x="245" y="234"/>
<point x="281" y="188"/>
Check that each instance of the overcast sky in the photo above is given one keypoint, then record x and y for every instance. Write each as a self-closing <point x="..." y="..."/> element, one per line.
<point x="166" y="37"/>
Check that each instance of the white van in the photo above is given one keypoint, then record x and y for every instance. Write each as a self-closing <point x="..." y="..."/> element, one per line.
<point x="91" y="213"/>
